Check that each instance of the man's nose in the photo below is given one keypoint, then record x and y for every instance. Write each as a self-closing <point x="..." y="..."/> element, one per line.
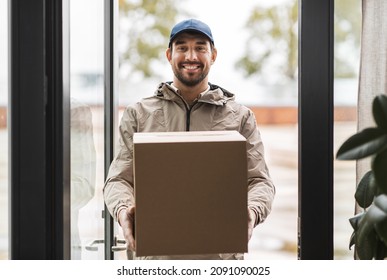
<point x="191" y="55"/>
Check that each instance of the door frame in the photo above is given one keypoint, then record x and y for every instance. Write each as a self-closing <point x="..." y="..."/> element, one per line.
<point x="315" y="137"/>
<point x="39" y="128"/>
<point x="110" y="109"/>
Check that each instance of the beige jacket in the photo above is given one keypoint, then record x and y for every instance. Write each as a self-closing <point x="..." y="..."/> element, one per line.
<point x="167" y="111"/>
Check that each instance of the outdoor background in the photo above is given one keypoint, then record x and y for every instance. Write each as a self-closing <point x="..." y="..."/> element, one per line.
<point x="257" y="60"/>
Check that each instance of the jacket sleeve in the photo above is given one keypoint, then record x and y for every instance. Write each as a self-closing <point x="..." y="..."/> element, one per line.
<point x="261" y="189"/>
<point x="118" y="190"/>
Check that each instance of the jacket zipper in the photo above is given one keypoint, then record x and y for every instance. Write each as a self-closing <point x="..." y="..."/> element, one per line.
<point x="188" y="113"/>
<point x="188" y="117"/>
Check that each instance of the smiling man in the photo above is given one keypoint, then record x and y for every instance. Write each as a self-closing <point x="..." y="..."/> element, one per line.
<point x="188" y="103"/>
<point x="191" y="53"/>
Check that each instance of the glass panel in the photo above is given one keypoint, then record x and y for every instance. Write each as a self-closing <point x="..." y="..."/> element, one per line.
<point x="347" y="59"/>
<point x="270" y="91"/>
<point x="87" y="128"/>
<point x="4" y="164"/>
<point x="257" y="60"/>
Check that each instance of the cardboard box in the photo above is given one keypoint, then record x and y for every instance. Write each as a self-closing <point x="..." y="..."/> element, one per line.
<point x="190" y="192"/>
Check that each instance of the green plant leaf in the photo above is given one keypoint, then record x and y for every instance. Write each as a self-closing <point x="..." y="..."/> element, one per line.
<point x="363" y="144"/>
<point x="379" y="110"/>
<point x="381" y="202"/>
<point x="366" y="236"/>
<point x="375" y="215"/>
<point x="366" y="239"/>
<point x="381" y="230"/>
<point x="365" y="191"/>
<point x="380" y="250"/>
<point x="352" y="240"/>
<point x="379" y="167"/>
<point x="374" y="186"/>
<point x="354" y="221"/>
<point x="381" y="226"/>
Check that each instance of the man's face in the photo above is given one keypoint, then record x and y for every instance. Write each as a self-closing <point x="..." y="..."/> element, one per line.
<point x="191" y="56"/>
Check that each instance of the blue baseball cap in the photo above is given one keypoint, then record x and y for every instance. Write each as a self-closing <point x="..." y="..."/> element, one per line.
<point x="191" y="25"/>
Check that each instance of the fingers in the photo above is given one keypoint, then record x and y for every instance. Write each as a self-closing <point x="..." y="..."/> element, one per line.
<point x="130" y="243"/>
<point x="249" y="233"/>
<point x="130" y="239"/>
<point x="250" y="223"/>
<point x="127" y="223"/>
<point x="251" y="217"/>
<point x="131" y="210"/>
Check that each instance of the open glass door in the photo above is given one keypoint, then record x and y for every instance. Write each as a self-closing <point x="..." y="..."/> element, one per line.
<point x="87" y="127"/>
<point x="92" y="71"/>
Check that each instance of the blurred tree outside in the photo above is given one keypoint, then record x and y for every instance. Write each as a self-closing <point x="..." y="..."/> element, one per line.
<point x="347" y="37"/>
<point x="272" y="43"/>
<point x="141" y="54"/>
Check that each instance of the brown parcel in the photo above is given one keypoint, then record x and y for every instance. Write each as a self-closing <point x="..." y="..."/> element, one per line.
<point x="190" y="193"/>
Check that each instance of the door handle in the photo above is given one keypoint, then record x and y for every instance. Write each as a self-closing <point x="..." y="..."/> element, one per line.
<point x="119" y="244"/>
<point x="93" y="245"/>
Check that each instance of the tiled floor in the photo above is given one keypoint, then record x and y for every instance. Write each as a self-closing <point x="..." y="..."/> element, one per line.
<point x="277" y="237"/>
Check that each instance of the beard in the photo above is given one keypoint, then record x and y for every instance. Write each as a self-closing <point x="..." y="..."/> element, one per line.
<point x="190" y="80"/>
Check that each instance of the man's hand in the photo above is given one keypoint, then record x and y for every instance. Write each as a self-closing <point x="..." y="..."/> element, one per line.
<point x="250" y="222"/>
<point x="126" y="221"/>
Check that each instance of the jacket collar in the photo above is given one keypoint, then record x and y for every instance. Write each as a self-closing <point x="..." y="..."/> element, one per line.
<point x="215" y="95"/>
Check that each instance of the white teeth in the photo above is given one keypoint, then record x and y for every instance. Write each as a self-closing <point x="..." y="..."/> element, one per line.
<point x="189" y="67"/>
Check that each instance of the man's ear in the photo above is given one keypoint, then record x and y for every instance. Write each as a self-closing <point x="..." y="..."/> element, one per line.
<point x="168" y="54"/>
<point x="214" y="55"/>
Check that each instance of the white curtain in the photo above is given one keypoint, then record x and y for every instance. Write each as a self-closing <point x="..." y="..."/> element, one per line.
<point x="373" y="66"/>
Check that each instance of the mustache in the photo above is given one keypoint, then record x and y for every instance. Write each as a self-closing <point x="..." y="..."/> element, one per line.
<point x="191" y="63"/>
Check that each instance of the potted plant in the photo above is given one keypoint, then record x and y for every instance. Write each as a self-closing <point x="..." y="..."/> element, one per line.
<point x="369" y="235"/>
